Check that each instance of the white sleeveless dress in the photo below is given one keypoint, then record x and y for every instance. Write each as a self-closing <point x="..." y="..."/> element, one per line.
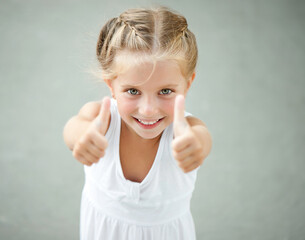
<point x="158" y="208"/>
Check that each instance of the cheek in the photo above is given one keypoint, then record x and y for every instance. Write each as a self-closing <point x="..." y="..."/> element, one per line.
<point x="125" y="105"/>
<point x="168" y="107"/>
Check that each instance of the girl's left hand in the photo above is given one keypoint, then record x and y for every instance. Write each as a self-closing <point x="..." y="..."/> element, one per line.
<point x="188" y="144"/>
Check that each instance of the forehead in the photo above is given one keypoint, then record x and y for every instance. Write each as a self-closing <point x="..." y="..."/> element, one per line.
<point x="138" y="70"/>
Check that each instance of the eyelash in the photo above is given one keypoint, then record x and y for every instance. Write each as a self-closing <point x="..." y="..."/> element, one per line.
<point x="133" y="91"/>
<point x="168" y="90"/>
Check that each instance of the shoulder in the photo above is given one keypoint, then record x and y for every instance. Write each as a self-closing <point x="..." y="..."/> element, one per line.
<point x="90" y="110"/>
<point x="194" y="121"/>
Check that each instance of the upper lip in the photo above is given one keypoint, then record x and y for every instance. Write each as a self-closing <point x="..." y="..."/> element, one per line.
<point x="148" y="120"/>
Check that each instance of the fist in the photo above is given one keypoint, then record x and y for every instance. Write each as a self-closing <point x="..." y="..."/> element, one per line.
<point x="186" y="146"/>
<point x="92" y="145"/>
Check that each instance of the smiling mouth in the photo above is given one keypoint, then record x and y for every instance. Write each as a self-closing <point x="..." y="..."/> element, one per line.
<point x="148" y="123"/>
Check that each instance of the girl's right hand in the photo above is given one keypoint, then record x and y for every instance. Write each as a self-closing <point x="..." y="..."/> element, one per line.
<point x="92" y="145"/>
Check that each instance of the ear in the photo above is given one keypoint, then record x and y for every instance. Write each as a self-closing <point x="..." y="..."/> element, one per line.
<point x="109" y="84"/>
<point x="190" y="81"/>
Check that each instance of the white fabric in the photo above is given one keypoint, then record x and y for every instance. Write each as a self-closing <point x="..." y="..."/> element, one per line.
<point x="114" y="208"/>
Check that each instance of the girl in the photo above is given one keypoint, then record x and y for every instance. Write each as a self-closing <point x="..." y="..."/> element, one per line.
<point x="141" y="151"/>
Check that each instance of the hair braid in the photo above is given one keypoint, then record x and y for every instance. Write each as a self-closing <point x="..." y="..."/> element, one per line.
<point x="105" y="35"/>
<point x="160" y="33"/>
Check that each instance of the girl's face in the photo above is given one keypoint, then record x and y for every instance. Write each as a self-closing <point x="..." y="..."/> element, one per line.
<point x="146" y="96"/>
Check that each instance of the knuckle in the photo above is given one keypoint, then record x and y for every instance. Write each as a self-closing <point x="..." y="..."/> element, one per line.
<point x="174" y="144"/>
<point x="197" y="147"/>
<point x="174" y="148"/>
<point x="82" y="142"/>
<point x="180" y="165"/>
<point x="201" y="156"/>
<point x="184" y="169"/>
<point x="76" y="154"/>
<point x="73" y="152"/>
<point x="104" y="140"/>
<point x="103" y="145"/>
<point x="177" y="156"/>
<point x="189" y="137"/>
<point x="93" y="158"/>
<point x="106" y="143"/>
<point x="82" y="160"/>
<point x="91" y="135"/>
<point x="197" y="164"/>
<point x="89" y="158"/>
<point x="83" y="139"/>
<point x="96" y="159"/>
<point x="88" y="163"/>
<point x="102" y="154"/>
<point x="87" y="137"/>
<point x="75" y="148"/>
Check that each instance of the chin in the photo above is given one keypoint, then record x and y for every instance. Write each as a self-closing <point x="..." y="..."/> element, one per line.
<point x="148" y="136"/>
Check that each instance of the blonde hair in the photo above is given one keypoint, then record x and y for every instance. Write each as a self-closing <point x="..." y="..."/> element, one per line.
<point x="158" y="34"/>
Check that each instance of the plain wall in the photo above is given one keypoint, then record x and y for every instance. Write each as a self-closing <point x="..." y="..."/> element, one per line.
<point x="249" y="90"/>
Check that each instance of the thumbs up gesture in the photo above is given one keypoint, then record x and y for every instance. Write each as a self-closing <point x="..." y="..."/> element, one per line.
<point x="187" y="145"/>
<point x="92" y="144"/>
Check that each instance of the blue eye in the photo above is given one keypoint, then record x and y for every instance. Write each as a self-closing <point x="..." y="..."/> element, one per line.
<point x="165" y="91"/>
<point x="133" y="91"/>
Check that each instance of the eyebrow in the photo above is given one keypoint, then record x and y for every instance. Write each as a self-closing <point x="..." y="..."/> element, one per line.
<point x="162" y="87"/>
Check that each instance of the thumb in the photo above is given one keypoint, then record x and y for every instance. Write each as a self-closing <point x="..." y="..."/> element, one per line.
<point x="180" y="123"/>
<point x="103" y="118"/>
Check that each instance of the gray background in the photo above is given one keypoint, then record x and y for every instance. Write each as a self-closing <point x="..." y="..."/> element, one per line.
<point x="249" y="90"/>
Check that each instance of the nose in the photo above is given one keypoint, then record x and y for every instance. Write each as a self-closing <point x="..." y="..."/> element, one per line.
<point x="148" y="107"/>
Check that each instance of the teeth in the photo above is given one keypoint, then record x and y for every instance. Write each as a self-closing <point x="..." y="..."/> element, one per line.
<point x="147" y="123"/>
